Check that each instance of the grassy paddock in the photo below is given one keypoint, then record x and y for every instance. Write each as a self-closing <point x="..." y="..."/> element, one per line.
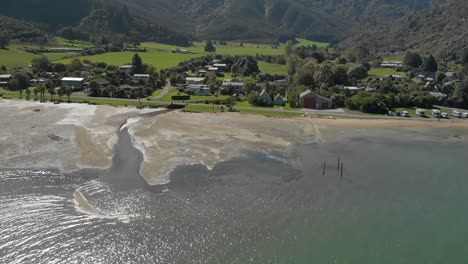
<point x="379" y="72"/>
<point x="272" y="68"/>
<point x="272" y="113"/>
<point x="97" y="101"/>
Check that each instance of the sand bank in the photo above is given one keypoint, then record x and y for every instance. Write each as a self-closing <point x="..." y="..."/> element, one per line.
<point x="178" y="138"/>
<point x="63" y="136"/>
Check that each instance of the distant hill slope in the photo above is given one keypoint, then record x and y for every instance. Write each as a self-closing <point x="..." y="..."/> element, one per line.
<point x="441" y="30"/>
<point x="322" y="20"/>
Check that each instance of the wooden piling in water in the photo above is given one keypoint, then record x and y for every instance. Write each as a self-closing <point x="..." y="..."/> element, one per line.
<point x="324" y="166"/>
<point x="338" y="168"/>
<point x="341" y="175"/>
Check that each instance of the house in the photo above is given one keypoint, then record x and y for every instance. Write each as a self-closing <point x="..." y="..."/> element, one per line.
<point x="197" y="89"/>
<point x="126" y="68"/>
<point x="73" y="82"/>
<point x="279" y="100"/>
<point x="438" y="95"/>
<point x="184" y="51"/>
<point x="202" y="73"/>
<point x="354" y="88"/>
<point x="213" y="69"/>
<point x="221" y="67"/>
<point x="391" y="64"/>
<point x="103" y="82"/>
<point x="34" y="82"/>
<point x="5" y="79"/>
<point x="265" y="98"/>
<point x="234" y="87"/>
<point x="311" y="100"/>
<point x="137" y="77"/>
<point x="451" y="75"/>
<point x="194" y="80"/>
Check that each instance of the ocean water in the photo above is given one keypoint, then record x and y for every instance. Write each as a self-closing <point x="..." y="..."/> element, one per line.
<point x="398" y="201"/>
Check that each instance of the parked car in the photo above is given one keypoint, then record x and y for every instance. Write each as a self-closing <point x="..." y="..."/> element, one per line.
<point x="405" y="114"/>
<point x="436" y="113"/>
<point x="398" y="114"/>
<point x="465" y="115"/>
<point x="420" y="112"/>
<point x="390" y="113"/>
<point x="456" y="113"/>
<point x="444" y="115"/>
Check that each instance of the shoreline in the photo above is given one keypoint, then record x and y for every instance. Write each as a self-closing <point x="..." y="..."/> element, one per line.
<point x="170" y="138"/>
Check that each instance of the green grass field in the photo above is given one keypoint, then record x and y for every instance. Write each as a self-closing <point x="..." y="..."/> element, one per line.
<point x="161" y="60"/>
<point x="379" y="72"/>
<point x="158" y="54"/>
<point x="272" y="113"/>
<point x="233" y="48"/>
<point x="15" y="56"/>
<point x="193" y="98"/>
<point x="272" y="68"/>
<point x="306" y="42"/>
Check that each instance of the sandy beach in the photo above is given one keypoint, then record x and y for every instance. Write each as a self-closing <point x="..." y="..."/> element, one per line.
<point x="73" y="136"/>
<point x="65" y="136"/>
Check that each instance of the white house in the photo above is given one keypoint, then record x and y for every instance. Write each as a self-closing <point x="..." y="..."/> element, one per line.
<point x="194" y="80"/>
<point x="391" y="64"/>
<point x="126" y="68"/>
<point x="221" y="67"/>
<point x="137" y="77"/>
<point x="73" y="82"/>
<point x="5" y="79"/>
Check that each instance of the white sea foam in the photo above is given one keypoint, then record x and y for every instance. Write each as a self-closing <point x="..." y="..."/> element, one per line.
<point x="131" y="121"/>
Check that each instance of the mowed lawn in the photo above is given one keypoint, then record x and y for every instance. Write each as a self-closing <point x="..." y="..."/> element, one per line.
<point x="384" y="72"/>
<point x="161" y="60"/>
<point x="272" y="68"/>
<point x="15" y="56"/>
<point x="232" y="48"/>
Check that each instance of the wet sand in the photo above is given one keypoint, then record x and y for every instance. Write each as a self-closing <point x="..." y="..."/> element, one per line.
<point x="65" y="136"/>
<point x="73" y="136"/>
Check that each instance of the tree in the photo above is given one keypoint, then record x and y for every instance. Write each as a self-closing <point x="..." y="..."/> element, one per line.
<point x="94" y="89"/>
<point x="413" y="59"/>
<point x="137" y="63"/>
<point x="41" y="89"/>
<point x="28" y="94"/>
<point x="51" y="90"/>
<point x="464" y="58"/>
<point x="75" y="65"/>
<point x="430" y="64"/>
<point x="253" y="98"/>
<point x="5" y="39"/>
<point x="288" y="49"/>
<point x="19" y="83"/>
<point x="40" y="64"/>
<point x="60" y="93"/>
<point x="357" y="72"/>
<point x="35" y="91"/>
<point x="209" y="47"/>
<point x="3" y="68"/>
<point x="68" y="91"/>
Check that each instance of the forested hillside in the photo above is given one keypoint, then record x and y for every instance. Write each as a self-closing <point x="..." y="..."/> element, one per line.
<point x="260" y="20"/>
<point x="440" y="30"/>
